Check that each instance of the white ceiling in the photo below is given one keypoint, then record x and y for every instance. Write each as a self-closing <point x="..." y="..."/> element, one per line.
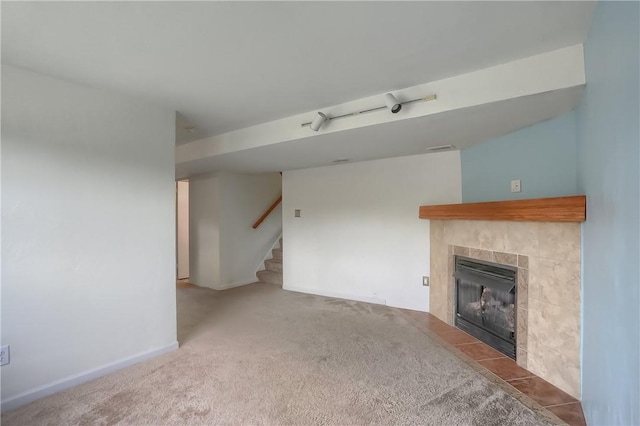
<point x="229" y="65"/>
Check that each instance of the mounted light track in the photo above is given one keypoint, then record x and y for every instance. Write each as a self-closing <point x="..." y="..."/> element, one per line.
<point x="391" y="103"/>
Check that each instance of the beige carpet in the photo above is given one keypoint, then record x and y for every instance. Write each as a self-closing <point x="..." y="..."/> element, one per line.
<point x="261" y="355"/>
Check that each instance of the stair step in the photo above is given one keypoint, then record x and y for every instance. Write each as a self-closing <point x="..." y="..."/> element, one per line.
<point x="277" y="254"/>
<point x="273" y="265"/>
<point x="270" y="277"/>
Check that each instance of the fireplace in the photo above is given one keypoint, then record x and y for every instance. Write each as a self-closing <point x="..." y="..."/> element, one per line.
<point x="547" y="258"/>
<point x="485" y="302"/>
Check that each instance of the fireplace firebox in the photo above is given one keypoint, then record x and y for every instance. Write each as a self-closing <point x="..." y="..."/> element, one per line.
<point x="485" y="302"/>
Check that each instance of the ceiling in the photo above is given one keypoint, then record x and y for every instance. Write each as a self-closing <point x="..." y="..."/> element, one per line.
<point x="229" y="65"/>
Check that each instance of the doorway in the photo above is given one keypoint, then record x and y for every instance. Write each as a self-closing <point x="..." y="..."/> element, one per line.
<point x="182" y="229"/>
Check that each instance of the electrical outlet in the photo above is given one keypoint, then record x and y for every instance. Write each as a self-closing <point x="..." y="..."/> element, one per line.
<point x="296" y="213"/>
<point x="4" y="355"/>
<point x="425" y="281"/>
<point x="515" y="185"/>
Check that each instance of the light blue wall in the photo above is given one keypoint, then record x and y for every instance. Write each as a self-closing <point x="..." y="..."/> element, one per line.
<point x="594" y="150"/>
<point x="608" y="163"/>
<point x="542" y="156"/>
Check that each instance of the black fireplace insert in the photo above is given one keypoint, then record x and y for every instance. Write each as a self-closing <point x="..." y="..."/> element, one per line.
<point x="486" y="302"/>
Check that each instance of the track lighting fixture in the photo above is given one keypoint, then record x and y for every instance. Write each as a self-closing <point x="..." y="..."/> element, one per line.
<point x="392" y="103"/>
<point x="318" y="122"/>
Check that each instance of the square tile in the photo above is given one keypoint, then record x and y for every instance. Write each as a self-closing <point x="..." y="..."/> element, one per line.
<point x="481" y="254"/>
<point x="461" y="251"/>
<point x="570" y="413"/>
<point x="505" y="258"/>
<point x="523" y="261"/>
<point x="556" y="282"/>
<point x="479" y="351"/>
<point x="425" y="321"/>
<point x="436" y="230"/>
<point x="432" y="323"/>
<point x="556" y="368"/>
<point x="455" y="337"/>
<point x="417" y="315"/>
<point x="553" y="327"/>
<point x="522" y="330"/>
<point x="505" y="368"/>
<point x="436" y="325"/>
<point x="523" y="288"/>
<point x="559" y="241"/>
<point x="541" y="391"/>
<point x="460" y="232"/>
<point x="522" y="238"/>
<point x="522" y="356"/>
<point x="491" y="235"/>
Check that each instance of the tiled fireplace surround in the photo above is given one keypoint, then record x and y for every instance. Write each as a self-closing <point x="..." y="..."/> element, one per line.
<point x="547" y="255"/>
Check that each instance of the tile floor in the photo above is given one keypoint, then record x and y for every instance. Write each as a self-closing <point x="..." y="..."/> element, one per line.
<point x="486" y="359"/>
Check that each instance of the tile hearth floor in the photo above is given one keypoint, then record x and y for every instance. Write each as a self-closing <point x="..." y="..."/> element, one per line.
<point x="485" y="360"/>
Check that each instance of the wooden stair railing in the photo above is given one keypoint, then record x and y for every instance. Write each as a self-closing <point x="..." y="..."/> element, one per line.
<point x="268" y="212"/>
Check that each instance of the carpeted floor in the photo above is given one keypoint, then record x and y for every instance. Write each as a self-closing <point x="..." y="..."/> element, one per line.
<point x="261" y="355"/>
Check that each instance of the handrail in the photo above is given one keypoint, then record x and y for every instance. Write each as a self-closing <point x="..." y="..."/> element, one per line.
<point x="268" y="212"/>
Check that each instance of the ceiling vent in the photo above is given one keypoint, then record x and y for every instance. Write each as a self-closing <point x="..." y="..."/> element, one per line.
<point x="441" y="148"/>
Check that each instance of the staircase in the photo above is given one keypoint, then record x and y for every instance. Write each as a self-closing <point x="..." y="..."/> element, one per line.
<point x="272" y="274"/>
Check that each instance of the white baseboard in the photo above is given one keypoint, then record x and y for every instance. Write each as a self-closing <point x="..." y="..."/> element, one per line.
<point x="238" y="284"/>
<point x="85" y="376"/>
<point x="326" y="293"/>
<point x="221" y="287"/>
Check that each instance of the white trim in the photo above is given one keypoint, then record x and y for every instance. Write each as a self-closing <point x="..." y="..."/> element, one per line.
<point x="85" y="376"/>
<point x="234" y="285"/>
<point x="318" y="292"/>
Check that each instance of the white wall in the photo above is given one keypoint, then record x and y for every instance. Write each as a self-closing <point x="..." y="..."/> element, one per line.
<point x="182" y="227"/>
<point x="204" y="230"/>
<point x="359" y="236"/>
<point x="225" y="250"/>
<point x="88" y="220"/>
<point x="242" y="248"/>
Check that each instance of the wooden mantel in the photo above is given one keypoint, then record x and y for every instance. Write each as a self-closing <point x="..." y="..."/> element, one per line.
<point x="559" y="209"/>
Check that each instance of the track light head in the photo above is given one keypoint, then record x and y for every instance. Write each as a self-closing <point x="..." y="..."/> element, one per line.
<point x="318" y="122"/>
<point x="392" y="103"/>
